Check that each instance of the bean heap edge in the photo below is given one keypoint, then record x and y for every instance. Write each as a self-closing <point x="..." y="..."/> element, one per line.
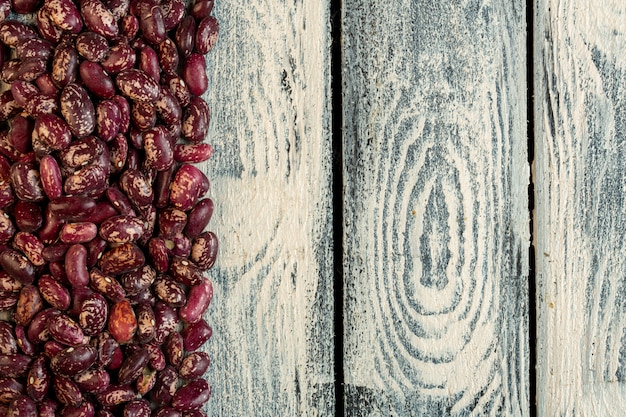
<point x="103" y="248"/>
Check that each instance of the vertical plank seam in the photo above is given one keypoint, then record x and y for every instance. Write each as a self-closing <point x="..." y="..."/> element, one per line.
<point x="338" y="199"/>
<point x="532" y="284"/>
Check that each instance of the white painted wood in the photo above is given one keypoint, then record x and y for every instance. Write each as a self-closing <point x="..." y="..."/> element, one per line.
<point x="272" y="313"/>
<point x="580" y="90"/>
<point x="436" y="227"/>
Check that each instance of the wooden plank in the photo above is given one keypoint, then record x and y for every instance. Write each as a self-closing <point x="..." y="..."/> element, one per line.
<point x="436" y="228"/>
<point x="272" y="313"/>
<point x="580" y="79"/>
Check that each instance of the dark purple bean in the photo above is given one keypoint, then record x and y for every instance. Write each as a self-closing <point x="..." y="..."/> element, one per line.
<point x="185" y="36"/>
<point x="195" y="123"/>
<point x="202" y="9"/>
<point x="65" y="330"/>
<point x="167" y="412"/>
<point x="22" y="406"/>
<point x="158" y="252"/>
<point x="185" y="271"/>
<point x="66" y="391"/>
<point x="93" y="380"/>
<point x="166" y="321"/>
<point x="96" y="247"/>
<point x="121" y="259"/>
<point x="16" y="265"/>
<point x="76" y="265"/>
<point x="93" y="314"/>
<point x="196" y="334"/>
<point x="194" y="365"/>
<point x="54" y="292"/>
<point x="97" y="81"/>
<point x="73" y="360"/>
<point x="129" y="26"/>
<point x="119" y="200"/>
<point x="162" y="187"/>
<point x="27" y="347"/>
<point x="137" y="85"/>
<point x="47" y="408"/>
<point x="151" y="23"/>
<point x="207" y="34"/>
<point x="174" y="349"/>
<point x="14" y="365"/>
<point x="64" y="14"/>
<point x="115" y="395"/>
<point x="194" y="74"/>
<point x="24" y="6"/>
<point x="121" y="57"/>
<point x="149" y="63"/>
<point x="78" y="110"/>
<point x="10" y="389"/>
<point x="64" y="65"/>
<point x="138" y="280"/>
<point x="199" y="217"/>
<point x="72" y="208"/>
<point x="38" y="330"/>
<point x="99" y="19"/>
<point x="198" y="301"/>
<point x="38" y="379"/>
<point x="92" y="46"/>
<point x="192" y="396"/>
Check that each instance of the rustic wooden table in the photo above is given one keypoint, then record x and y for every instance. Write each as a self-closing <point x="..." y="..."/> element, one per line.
<point x="409" y="288"/>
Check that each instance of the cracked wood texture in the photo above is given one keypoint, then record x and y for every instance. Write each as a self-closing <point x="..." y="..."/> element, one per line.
<point x="272" y="312"/>
<point x="436" y="208"/>
<point x="580" y="90"/>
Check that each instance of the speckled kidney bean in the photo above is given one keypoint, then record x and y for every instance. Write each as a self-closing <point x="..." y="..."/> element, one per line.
<point x="13" y="32"/>
<point x="204" y="250"/>
<point x="10" y="389"/>
<point x="76" y="265"/>
<point x="79" y="232"/>
<point x="118" y="151"/>
<point x="106" y="285"/>
<point x="54" y="292"/>
<point x="93" y="314"/>
<point x="99" y="19"/>
<point x="38" y="379"/>
<point x="8" y="344"/>
<point x="5" y="9"/>
<point x="47" y="407"/>
<point x="194" y="365"/>
<point x="143" y="115"/>
<point x="22" y="406"/>
<point x="120" y="57"/>
<point x="89" y="178"/>
<point x="41" y="104"/>
<point x="22" y="340"/>
<point x="133" y="366"/>
<point x="138" y="280"/>
<point x="174" y="349"/>
<point x="192" y="396"/>
<point x="66" y="391"/>
<point x="46" y="27"/>
<point x="185" y="36"/>
<point x="178" y="88"/>
<point x="73" y="360"/>
<point x="173" y="13"/>
<point x="206" y="34"/>
<point x="92" y="46"/>
<point x="194" y="74"/>
<point x="169" y="291"/>
<point x="167" y="411"/>
<point x="202" y="9"/>
<point x="85" y="409"/>
<point x="96" y="247"/>
<point x="93" y="380"/>
<point x="64" y="65"/>
<point x="137" y="85"/>
<point x="168" y="57"/>
<point x="158" y="253"/>
<point x="119" y="200"/>
<point x="27" y="182"/>
<point x="22" y="91"/>
<point x="96" y="80"/>
<point x="129" y="26"/>
<point x="185" y="187"/>
<point x="53" y="131"/>
<point x="8" y="302"/>
<point x="122" y="229"/>
<point x="196" y="334"/>
<point x="151" y="22"/>
<point x="55" y="252"/>
<point x="158" y="149"/>
<point x="119" y="8"/>
<point x="136" y="187"/>
<point x="148" y="62"/>
<point x="29" y="304"/>
<point x="65" y="330"/>
<point x="195" y="123"/>
<point x="165" y="387"/>
<point x="193" y="153"/>
<point x="7" y="229"/>
<point x="14" y="365"/>
<point x="78" y="110"/>
<point x="18" y="266"/>
<point x="198" y="301"/>
<point x="121" y="259"/>
<point x="34" y="48"/>
<point x="37" y="331"/>
<point x="171" y="221"/>
<point x="115" y="395"/>
<point x="168" y="108"/>
<point x="50" y="175"/>
<point x="64" y="14"/>
<point x="166" y="321"/>
<point x="185" y="271"/>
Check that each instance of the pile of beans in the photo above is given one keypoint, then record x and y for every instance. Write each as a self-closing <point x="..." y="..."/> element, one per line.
<point x="103" y="251"/>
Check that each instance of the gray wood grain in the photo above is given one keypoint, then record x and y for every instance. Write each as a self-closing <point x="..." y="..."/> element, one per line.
<point x="272" y="313"/>
<point x="436" y="227"/>
<point x="580" y="89"/>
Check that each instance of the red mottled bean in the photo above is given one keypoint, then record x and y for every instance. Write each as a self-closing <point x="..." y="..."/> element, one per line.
<point x="136" y="187"/>
<point x="206" y="34"/>
<point x="122" y="229"/>
<point x="16" y="265"/>
<point x="46" y="27"/>
<point x="198" y="301"/>
<point x="72" y="208"/>
<point x="133" y="366"/>
<point x="95" y="78"/>
<point x="99" y="19"/>
<point x="80" y="232"/>
<point x="50" y="175"/>
<point x="137" y="408"/>
<point x="165" y="387"/>
<point x="106" y="285"/>
<point x="78" y="110"/>
<point x="8" y="344"/>
<point x="93" y="380"/>
<point x="192" y="396"/>
<point x="54" y="292"/>
<point x="64" y="65"/>
<point x="120" y="57"/>
<point x="64" y="14"/>
<point x="143" y="115"/>
<point x="38" y="379"/>
<point x="151" y="22"/>
<point x="196" y="334"/>
<point x="22" y="406"/>
<point x="92" y="46"/>
<point x="137" y="85"/>
<point x="13" y="32"/>
<point x="195" y="74"/>
<point x="193" y="153"/>
<point x="204" y="250"/>
<point x="76" y="265"/>
<point x="185" y="36"/>
<point x="66" y="391"/>
<point x="198" y="218"/>
<point x="85" y="409"/>
<point x="93" y="314"/>
<point x="202" y="9"/>
<point x="7" y="229"/>
<point x="121" y="259"/>
<point x="29" y="304"/>
<point x="27" y="182"/>
<point x="158" y="252"/>
<point x="158" y="149"/>
<point x="115" y="395"/>
<point x="14" y="365"/>
<point x="65" y="330"/>
<point x="73" y="360"/>
<point x="194" y="365"/>
<point x="10" y="389"/>
<point x="169" y="291"/>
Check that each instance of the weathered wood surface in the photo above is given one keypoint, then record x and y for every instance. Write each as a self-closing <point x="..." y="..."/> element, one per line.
<point x="436" y="226"/>
<point x="580" y="90"/>
<point x="272" y="312"/>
